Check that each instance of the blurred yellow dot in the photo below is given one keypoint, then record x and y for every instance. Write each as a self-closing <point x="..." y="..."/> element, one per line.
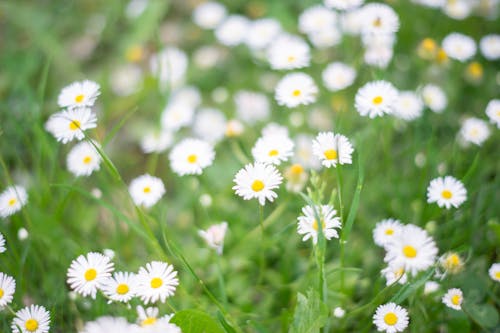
<point x="134" y="53"/>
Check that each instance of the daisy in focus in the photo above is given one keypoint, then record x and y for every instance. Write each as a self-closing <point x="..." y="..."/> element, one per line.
<point x="474" y="130"/>
<point x="296" y="89"/>
<point x="257" y="181"/>
<point x="386" y="230"/>
<point x="494" y="272"/>
<point x="32" y="319"/>
<point x="79" y="94"/>
<point x="86" y="274"/>
<point x="7" y="289"/>
<point x="191" y="156"/>
<point x="273" y="149"/>
<point x="146" y="190"/>
<point x="332" y="149"/>
<point x="69" y="125"/>
<point x="391" y="318"/>
<point x="376" y="98"/>
<point x="121" y="287"/>
<point x="493" y="111"/>
<point x="453" y="298"/>
<point x="156" y="282"/>
<point x="446" y="192"/>
<point x="308" y="224"/>
<point x="12" y="200"/>
<point x="214" y="236"/>
<point x="83" y="159"/>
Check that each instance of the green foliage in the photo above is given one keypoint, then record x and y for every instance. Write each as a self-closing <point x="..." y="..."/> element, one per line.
<point x="195" y="321"/>
<point x="310" y="313"/>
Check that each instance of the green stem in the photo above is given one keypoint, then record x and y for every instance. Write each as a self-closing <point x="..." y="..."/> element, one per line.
<point x="222" y="284"/>
<point x="341" y="214"/>
<point x="261" y="255"/>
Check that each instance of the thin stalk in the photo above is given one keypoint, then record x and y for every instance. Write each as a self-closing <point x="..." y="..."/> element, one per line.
<point x="261" y="255"/>
<point x="222" y="284"/>
<point x="341" y="212"/>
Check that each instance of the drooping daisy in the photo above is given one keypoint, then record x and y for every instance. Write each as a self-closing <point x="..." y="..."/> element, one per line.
<point x="296" y="89"/>
<point x="395" y="272"/>
<point x="209" y="15"/>
<point x="12" y="200"/>
<point x="156" y="141"/>
<point x="386" y="230"/>
<point x="232" y="31"/>
<point x="446" y="192"/>
<point x="121" y="287"/>
<point x="409" y="106"/>
<point x="191" y="156"/>
<point x="2" y="243"/>
<point x="475" y="130"/>
<point x="146" y="190"/>
<point x="343" y="4"/>
<point x="434" y="98"/>
<point x="83" y="159"/>
<point x="379" y="18"/>
<point x="251" y="107"/>
<point x="458" y="46"/>
<point x="262" y="32"/>
<point x="210" y="125"/>
<point x="413" y="248"/>
<point x="7" y="289"/>
<point x="493" y="111"/>
<point x="338" y="76"/>
<point x="391" y="318"/>
<point x="109" y="324"/>
<point x="376" y="99"/>
<point x="79" y="94"/>
<point x="451" y="262"/>
<point x="332" y="149"/>
<point x="273" y="149"/>
<point x="490" y="46"/>
<point x="214" y="236"/>
<point x="453" y="298"/>
<point x="288" y="52"/>
<point x="156" y="282"/>
<point x="308" y="223"/>
<point x="494" y="272"/>
<point x="32" y="319"/>
<point x="87" y="273"/>
<point x="69" y="125"/>
<point x="316" y="18"/>
<point x="258" y="181"/>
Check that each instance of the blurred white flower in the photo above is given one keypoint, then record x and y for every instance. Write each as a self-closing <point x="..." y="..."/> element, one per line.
<point x="475" y="130"/>
<point x="296" y="89"/>
<point x="233" y="30"/>
<point x="191" y="156"/>
<point x="208" y="15"/>
<point x="214" y="236"/>
<point x="459" y="46"/>
<point x="146" y="190"/>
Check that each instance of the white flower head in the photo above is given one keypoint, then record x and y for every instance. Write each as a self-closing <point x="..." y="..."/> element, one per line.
<point x="262" y="32"/>
<point x="376" y="98"/>
<point x="490" y="46"/>
<point x="257" y="181"/>
<point x="386" y="230"/>
<point x="83" y="159"/>
<point x="346" y="5"/>
<point x="434" y="98"/>
<point x="332" y="149"/>
<point x="146" y="190"/>
<point x="2" y="243"/>
<point x="459" y="47"/>
<point x="379" y="18"/>
<point x="121" y="287"/>
<point x="79" y="94"/>
<point x="232" y="31"/>
<point x="475" y="130"/>
<point x="210" y="125"/>
<point x="12" y="200"/>
<point x="338" y="312"/>
<point x="458" y="9"/>
<point x="395" y="272"/>
<point x="446" y="192"/>
<point x="296" y="89"/>
<point x="69" y="125"/>
<point x="289" y="52"/>
<point x="409" y="106"/>
<point x="156" y="141"/>
<point x="338" y="76"/>
<point x="325" y="38"/>
<point x="214" y="236"/>
<point x="177" y="114"/>
<point x="7" y="289"/>
<point x="304" y="154"/>
<point x="430" y="287"/>
<point x="87" y="273"/>
<point x="308" y="224"/>
<point x="351" y="21"/>
<point x="251" y="107"/>
<point x="156" y="282"/>
<point x="317" y="18"/>
<point x="494" y="272"/>
<point x="191" y="156"/>
<point x="32" y="319"/>
<point x="378" y="55"/>
<point x="234" y="128"/>
<point x="208" y="15"/>
<point x="169" y="67"/>
<point x="493" y="111"/>
<point x="391" y="318"/>
<point x="453" y="298"/>
<point x="273" y="149"/>
<point x="108" y="324"/>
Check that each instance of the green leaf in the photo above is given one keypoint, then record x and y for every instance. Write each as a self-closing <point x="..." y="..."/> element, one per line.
<point x="346" y="229"/>
<point x="484" y="314"/>
<point x="195" y="321"/>
<point x="411" y="288"/>
<point x="310" y="313"/>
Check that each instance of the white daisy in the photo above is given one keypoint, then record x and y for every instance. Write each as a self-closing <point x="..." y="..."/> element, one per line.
<point x="68" y="125"/>
<point x="206" y="57"/>
<point x="475" y="130"/>
<point x="169" y="67"/>
<point x="121" y="287"/>
<point x="79" y="94"/>
<point x="453" y="298"/>
<point x="379" y="18"/>
<point x="395" y="272"/>
<point x="83" y="159"/>
<point x="2" y="243"/>
<point x="451" y="262"/>
<point x="296" y="89"/>
<point x="156" y="141"/>
<point x="262" y="32"/>
<point x="490" y="46"/>
<point x="146" y="190"/>
<point x="147" y="316"/>
<point x="275" y="129"/>
<point x="126" y="79"/>
<point x="413" y="248"/>
<point x="156" y="282"/>
<point x="304" y="153"/>
<point x="409" y="106"/>
<point x="332" y="149"/>
<point x="232" y="31"/>
<point x="351" y="21"/>
<point x="178" y="113"/>
<point x="376" y="98"/>
<point x="391" y="318"/>
<point x="162" y="326"/>
<point x="289" y="52"/>
<point x="273" y="149"/>
<point x="378" y="55"/>
<point x="493" y="111"/>
<point x="108" y="325"/>
<point x="343" y="4"/>
<point x="431" y="3"/>
<point x="258" y="181"/>
<point x="214" y="236"/>
<point x="32" y="319"/>
<point x="208" y="15"/>
<point x="494" y="272"/>
<point x="308" y="224"/>
<point x="234" y="128"/>
<point x="338" y="76"/>
<point x="434" y="98"/>
<point x="430" y="287"/>
<point x="12" y="200"/>
<point x="251" y="107"/>
<point x="296" y="178"/>
<point x="191" y="156"/>
<point x="323" y="39"/>
<point x="458" y="9"/>
<point x="458" y="46"/>
<point x="386" y="230"/>
<point x="316" y="18"/>
<point x="210" y="125"/>
<point x="446" y="192"/>
<point x="7" y="289"/>
<point x="87" y="273"/>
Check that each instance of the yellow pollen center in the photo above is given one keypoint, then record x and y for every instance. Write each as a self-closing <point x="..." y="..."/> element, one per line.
<point x="330" y="154"/>
<point x="273" y="152"/>
<point x="377" y="100"/>
<point x="429" y="44"/>
<point x="79" y="98"/>
<point x="389" y="232"/>
<point x="455" y="299"/>
<point x="409" y="251"/>
<point x="257" y="185"/>
<point x="497" y="275"/>
<point x="156" y="283"/>
<point x="315" y="225"/>
<point x="453" y="260"/>
<point x="291" y="59"/>
<point x="390" y="318"/>
<point x="12" y="202"/>
<point x="74" y="125"/>
<point x="122" y="289"/>
<point x="446" y="194"/>
<point x="377" y="23"/>
<point x="296" y="93"/>
<point x="475" y="69"/>
<point x="148" y="321"/>
<point x="399" y="272"/>
<point x="1" y="293"/>
<point x="147" y="189"/>
<point x="87" y="159"/>
<point x="192" y="158"/>
<point x="90" y="274"/>
<point x="31" y="325"/>
<point x="296" y="169"/>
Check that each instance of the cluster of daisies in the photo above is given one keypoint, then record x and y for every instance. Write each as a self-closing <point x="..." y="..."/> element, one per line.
<point x="461" y="9"/>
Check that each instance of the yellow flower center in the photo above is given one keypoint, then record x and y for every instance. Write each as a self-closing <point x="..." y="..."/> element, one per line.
<point x="192" y="158"/>
<point x="134" y="53"/>
<point x="475" y="69"/>
<point x="273" y="152"/>
<point x="399" y="272"/>
<point x="453" y="260"/>
<point x="148" y="321"/>
<point x="156" y="283"/>
<point x="377" y="100"/>
<point x="79" y="98"/>
<point x="446" y="194"/>
<point x="257" y="185"/>
<point x="315" y="225"/>
<point x="455" y="299"/>
<point x="330" y="154"/>
<point x="441" y="56"/>
<point x="296" y="169"/>
<point x="390" y="318"/>
<point x="429" y="44"/>
<point x="291" y="59"/>
<point x="296" y="93"/>
<point x="377" y="22"/>
<point x="409" y="251"/>
<point x="497" y="275"/>
<point x="74" y="125"/>
<point x="147" y="189"/>
<point x="122" y="289"/>
<point x="31" y="325"/>
<point x="1" y="293"/>
<point x="12" y="202"/>
<point x="87" y="159"/>
<point x="389" y="231"/>
<point x="90" y="274"/>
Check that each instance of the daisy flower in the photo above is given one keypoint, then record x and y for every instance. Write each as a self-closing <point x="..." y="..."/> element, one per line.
<point x="413" y="248"/>
<point x="490" y="46"/>
<point x="262" y="32"/>
<point x="169" y="67"/>
<point x="316" y="18"/>
<point x="156" y="141"/>
<point x="79" y="94"/>
<point x="149" y="317"/>
<point x="234" y="128"/>
<point x="258" y="181"/>
<point x="493" y="111"/>
<point x="457" y="9"/>
<point x="209" y="15"/>
<point x="379" y="56"/>
<point x="160" y="326"/>
<point x="453" y="298"/>
<point x="379" y="18"/>
<point x="232" y="31"/>
<point x="386" y="230"/>
<point x="289" y="52"/>
<point x="304" y="152"/>
<point x="494" y="272"/>
<point x="325" y="38"/>
<point x="109" y="324"/>
<point x="273" y="149"/>
<point x="308" y="224"/>
<point x="458" y="46"/>
<point x="296" y="178"/>
<point x="214" y="236"/>
<point x="343" y="4"/>
<point x="296" y="89"/>
<point x="87" y="273"/>
<point x="395" y="272"/>
<point x="409" y="106"/>
<point x="210" y="125"/>
<point x="391" y="318"/>
<point x="177" y="114"/>
<point x="251" y="107"/>
<point x="121" y="287"/>
<point x="12" y="200"/>
<point x="156" y="282"/>
<point x="7" y="289"/>
<point x="434" y="98"/>
<point x="191" y="156"/>
<point x="430" y="287"/>
<point x="332" y="149"/>
<point x="446" y="192"/>
<point x="83" y="159"/>
<point x="338" y="76"/>
<point x="146" y="190"/>
<point x="32" y="319"/>
<point x="2" y="243"/>
<point x="376" y="98"/>
<point x="451" y="262"/>
<point x="69" y="125"/>
<point x="475" y="130"/>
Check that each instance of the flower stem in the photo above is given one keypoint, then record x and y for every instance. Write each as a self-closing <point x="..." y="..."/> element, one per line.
<point x="261" y="256"/>
<point x="222" y="284"/>
<point x="341" y="215"/>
